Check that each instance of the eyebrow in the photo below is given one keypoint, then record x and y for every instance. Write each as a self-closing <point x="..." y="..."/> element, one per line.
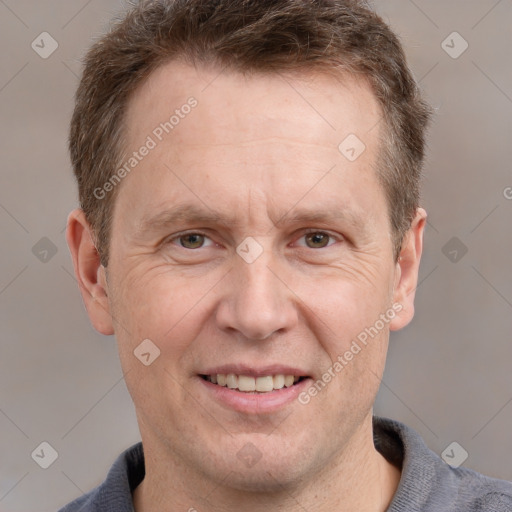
<point x="181" y="214"/>
<point x="323" y="216"/>
<point x="192" y="214"/>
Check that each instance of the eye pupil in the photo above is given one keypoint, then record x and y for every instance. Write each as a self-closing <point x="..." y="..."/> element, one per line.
<point x="318" y="239"/>
<point x="192" y="241"/>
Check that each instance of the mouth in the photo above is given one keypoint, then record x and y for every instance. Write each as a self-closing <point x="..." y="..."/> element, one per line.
<point x="256" y="385"/>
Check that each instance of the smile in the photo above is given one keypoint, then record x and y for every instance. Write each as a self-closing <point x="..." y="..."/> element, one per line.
<point x="250" y="384"/>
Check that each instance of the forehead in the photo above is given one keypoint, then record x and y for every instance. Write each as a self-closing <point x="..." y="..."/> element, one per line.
<point x="311" y="105"/>
<point x="250" y="138"/>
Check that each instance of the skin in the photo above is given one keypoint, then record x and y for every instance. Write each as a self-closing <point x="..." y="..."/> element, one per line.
<point x="256" y="150"/>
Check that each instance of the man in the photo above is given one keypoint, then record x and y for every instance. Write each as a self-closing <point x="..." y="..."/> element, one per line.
<point x="250" y="230"/>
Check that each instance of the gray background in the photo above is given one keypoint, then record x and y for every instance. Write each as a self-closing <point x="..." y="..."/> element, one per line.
<point x="448" y="373"/>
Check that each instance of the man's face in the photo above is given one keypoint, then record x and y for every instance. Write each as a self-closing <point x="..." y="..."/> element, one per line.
<point x="247" y="243"/>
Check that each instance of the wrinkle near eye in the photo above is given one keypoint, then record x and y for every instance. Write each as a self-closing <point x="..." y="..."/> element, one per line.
<point x="363" y="269"/>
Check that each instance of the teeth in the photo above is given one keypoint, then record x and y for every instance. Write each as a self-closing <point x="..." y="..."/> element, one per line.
<point x="231" y="380"/>
<point x="251" y="384"/>
<point x="246" y="383"/>
<point x="265" y="384"/>
<point x="278" y="381"/>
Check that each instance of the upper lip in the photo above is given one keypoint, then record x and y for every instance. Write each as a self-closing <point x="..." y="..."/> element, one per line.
<point x="255" y="371"/>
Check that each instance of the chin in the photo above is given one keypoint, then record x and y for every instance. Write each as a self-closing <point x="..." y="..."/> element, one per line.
<point x="260" y="464"/>
<point x="262" y="479"/>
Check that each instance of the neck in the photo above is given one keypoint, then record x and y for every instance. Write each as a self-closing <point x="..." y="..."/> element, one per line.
<point x="360" y="478"/>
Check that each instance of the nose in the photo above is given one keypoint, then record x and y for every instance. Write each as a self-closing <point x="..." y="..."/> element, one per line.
<point x="256" y="302"/>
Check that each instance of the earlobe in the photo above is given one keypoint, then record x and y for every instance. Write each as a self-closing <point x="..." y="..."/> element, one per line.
<point x="89" y="272"/>
<point x="407" y="271"/>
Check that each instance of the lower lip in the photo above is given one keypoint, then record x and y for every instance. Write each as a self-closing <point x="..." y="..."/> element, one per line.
<point x="255" y="403"/>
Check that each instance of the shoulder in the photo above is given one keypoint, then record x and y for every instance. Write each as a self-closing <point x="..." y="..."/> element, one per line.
<point x="428" y="484"/>
<point x="479" y="493"/>
<point x="83" y="504"/>
<point x="494" y="501"/>
<point x="115" y="493"/>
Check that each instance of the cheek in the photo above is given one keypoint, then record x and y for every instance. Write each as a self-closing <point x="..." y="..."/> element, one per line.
<point x="158" y="306"/>
<point x="353" y="376"/>
<point x="349" y="325"/>
<point x="345" y="307"/>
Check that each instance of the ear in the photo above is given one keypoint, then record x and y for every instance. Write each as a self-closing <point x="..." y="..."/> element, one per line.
<point x="407" y="268"/>
<point x="89" y="272"/>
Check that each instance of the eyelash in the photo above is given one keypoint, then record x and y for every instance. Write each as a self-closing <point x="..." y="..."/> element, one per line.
<point x="309" y="231"/>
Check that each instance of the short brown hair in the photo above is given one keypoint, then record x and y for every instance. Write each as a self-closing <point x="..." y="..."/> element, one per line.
<point x="247" y="36"/>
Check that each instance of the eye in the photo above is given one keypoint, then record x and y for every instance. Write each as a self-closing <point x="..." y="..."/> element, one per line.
<point x="191" y="240"/>
<point x="318" y="239"/>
